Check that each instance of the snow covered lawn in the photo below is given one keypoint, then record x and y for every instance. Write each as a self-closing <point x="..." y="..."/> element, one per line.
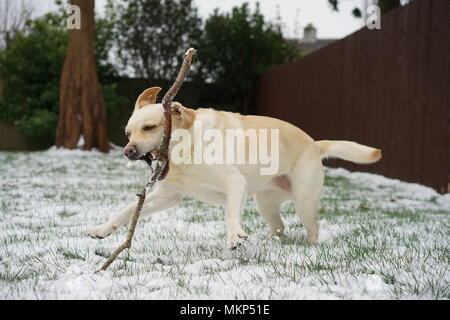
<point x="380" y="239"/>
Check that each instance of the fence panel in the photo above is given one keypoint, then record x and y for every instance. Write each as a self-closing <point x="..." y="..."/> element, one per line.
<point x="386" y="88"/>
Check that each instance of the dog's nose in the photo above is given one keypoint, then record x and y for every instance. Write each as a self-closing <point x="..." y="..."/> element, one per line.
<point x="130" y="152"/>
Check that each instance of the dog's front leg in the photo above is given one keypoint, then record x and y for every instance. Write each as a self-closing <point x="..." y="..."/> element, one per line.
<point x="236" y="197"/>
<point x="160" y="199"/>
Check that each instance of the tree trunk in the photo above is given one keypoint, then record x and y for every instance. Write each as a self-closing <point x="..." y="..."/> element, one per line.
<point x="81" y="105"/>
<point x="387" y="5"/>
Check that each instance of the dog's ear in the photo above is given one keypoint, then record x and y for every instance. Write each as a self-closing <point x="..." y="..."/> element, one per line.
<point x="147" y="97"/>
<point x="183" y="115"/>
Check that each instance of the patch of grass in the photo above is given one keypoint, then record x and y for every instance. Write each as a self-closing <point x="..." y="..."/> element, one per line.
<point x="196" y="219"/>
<point x="10" y="158"/>
<point x="15" y="238"/>
<point x="181" y="283"/>
<point x="405" y="215"/>
<point x="75" y="254"/>
<point x="14" y="276"/>
<point x="292" y="239"/>
<point x="5" y="205"/>
<point x="38" y="186"/>
<point x="249" y="213"/>
<point x="69" y="197"/>
<point x="66" y="214"/>
<point x="333" y="210"/>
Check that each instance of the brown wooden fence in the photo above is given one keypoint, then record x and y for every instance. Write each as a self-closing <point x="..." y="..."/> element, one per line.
<point x="386" y="88"/>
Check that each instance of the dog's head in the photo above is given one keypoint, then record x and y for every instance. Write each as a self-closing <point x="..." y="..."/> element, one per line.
<point x="145" y="127"/>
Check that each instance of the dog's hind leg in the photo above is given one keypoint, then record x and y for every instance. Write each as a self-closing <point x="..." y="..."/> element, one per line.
<point x="268" y="205"/>
<point x="160" y="199"/>
<point x="307" y="178"/>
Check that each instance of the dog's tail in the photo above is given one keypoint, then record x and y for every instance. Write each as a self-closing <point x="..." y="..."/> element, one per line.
<point x="348" y="150"/>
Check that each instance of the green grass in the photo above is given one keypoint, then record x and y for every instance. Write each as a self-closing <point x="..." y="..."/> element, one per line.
<point x="380" y="239"/>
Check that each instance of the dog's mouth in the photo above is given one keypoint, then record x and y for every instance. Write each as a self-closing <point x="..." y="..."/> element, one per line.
<point x="147" y="157"/>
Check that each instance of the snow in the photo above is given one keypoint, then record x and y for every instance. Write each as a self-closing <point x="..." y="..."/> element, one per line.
<point x="380" y="238"/>
<point x="80" y="142"/>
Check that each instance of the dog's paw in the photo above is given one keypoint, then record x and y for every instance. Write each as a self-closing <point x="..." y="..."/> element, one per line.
<point x="101" y="232"/>
<point x="236" y="240"/>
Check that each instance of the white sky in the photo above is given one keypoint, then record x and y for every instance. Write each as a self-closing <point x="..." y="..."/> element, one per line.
<point x="329" y="24"/>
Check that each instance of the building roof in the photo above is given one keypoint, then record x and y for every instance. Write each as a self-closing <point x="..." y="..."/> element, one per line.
<point x="310" y="43"/>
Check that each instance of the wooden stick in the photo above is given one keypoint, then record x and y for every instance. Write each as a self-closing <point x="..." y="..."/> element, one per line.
<point x="163" y="154"/>
<point x="167" y="103"/>
<point x="127" y="243"/>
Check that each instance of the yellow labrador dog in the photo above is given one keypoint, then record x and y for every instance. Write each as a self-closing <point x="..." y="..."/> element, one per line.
<point x="292" y="170"/>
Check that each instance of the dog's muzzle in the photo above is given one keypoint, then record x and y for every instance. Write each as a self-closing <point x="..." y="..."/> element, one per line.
<point x="131" y="152"/>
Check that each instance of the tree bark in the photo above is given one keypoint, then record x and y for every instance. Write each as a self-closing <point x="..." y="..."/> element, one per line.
<point x="81" y="105"/>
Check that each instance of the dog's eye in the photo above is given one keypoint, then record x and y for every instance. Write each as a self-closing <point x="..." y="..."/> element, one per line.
<point x="148" y="128"/>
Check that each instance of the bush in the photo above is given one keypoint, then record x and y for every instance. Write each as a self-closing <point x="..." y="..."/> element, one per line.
<point x="236" y="48"/>
<point x="151" y="35"/>
<point x="40" y="125"/>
